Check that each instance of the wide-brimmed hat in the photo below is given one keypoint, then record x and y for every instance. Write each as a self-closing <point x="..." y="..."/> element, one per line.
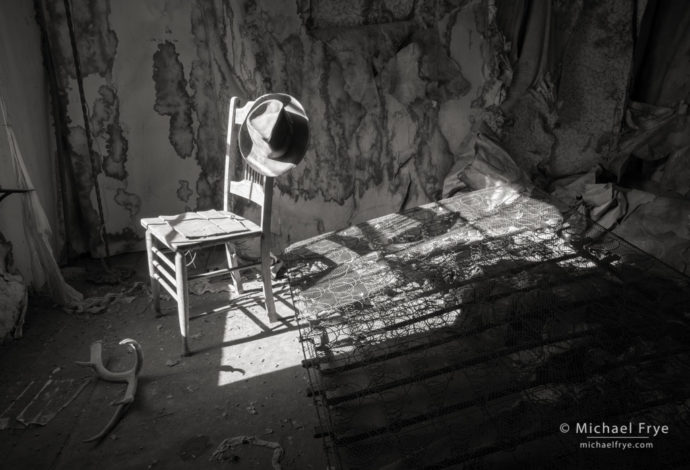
<point x="274" y="137"/>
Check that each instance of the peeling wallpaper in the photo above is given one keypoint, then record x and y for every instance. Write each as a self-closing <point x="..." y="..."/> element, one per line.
<point x="572" y="63"/>
<point x="392" y="90"/>
<point x="172" y="98"/>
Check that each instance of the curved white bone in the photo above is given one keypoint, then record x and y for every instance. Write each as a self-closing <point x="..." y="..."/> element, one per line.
<point x="129" y="376"/>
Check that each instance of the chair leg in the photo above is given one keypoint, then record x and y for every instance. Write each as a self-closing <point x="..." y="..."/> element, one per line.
<point x="155" y="287"/>
<point x="182" y="299"/>
<point x="276" y="265"/>
<point x="267" y="281"/>
<point x="233" y="263"/>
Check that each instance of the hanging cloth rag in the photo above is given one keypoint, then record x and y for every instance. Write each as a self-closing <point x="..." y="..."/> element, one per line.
<point x="46" y="275"/>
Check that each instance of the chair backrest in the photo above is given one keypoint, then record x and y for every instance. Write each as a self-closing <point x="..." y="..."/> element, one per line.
<point x="253" y="186"/>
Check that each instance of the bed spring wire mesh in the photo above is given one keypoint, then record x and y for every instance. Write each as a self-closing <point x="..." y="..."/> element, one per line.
<point x="463" y="333"/>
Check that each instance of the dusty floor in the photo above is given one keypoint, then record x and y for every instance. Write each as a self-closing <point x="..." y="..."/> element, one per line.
<point x="245" y="378"/>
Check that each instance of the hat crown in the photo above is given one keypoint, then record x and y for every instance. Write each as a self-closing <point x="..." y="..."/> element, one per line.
<point x="269" y="125"/>
<point x="274" y="136"/>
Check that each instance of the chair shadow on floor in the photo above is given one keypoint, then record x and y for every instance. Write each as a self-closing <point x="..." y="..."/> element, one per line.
<point x="218" y="305"/>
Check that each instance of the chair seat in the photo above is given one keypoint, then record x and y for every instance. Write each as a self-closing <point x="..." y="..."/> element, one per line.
<point x="198" y="229"/>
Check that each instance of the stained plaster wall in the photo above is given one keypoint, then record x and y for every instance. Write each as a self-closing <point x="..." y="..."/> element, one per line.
<point x="392" y="89"/>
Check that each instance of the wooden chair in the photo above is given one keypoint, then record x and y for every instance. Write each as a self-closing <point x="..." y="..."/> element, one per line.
<point x="170" y="239"/>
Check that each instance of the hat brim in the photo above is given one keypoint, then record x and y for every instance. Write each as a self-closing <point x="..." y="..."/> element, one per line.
<point x="299" y="141"/>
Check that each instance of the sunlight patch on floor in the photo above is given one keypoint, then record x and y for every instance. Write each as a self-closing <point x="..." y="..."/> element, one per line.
<point x="252" y="346"/>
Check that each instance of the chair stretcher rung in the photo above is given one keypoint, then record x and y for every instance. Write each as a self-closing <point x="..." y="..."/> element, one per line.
<point x="167" y="286"/>
<point x="159" y="268"/>
<point x="163" y="258"/>
<point x="220" y="272"/>
<point x="217" y="272"/>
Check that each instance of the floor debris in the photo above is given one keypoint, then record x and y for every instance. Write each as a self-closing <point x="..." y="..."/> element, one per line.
<point x="203" y="286"/>
<point x="225" y="449"/>
<point x="100" y="304"/>
<point x="5" y="417"/>
<point x="54" y="396"/>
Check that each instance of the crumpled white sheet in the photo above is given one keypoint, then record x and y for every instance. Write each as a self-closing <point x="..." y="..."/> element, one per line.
<point x="484" y="164"/>
<point x="46" y="275"/>
<point x="658" y="225"/>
